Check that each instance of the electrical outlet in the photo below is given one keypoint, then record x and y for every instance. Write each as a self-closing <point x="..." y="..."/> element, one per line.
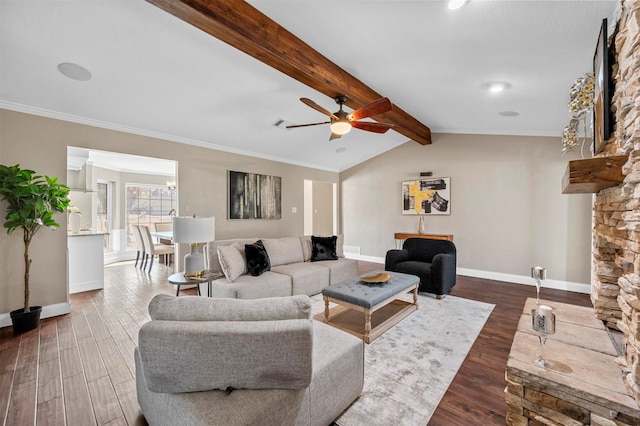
<point x="294" y="210"/>
<point x="538" y="273"/>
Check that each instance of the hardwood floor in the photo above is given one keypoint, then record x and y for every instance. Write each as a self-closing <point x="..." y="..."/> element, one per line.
<point x="78" y="369"/>
<point x="476" y="396"/>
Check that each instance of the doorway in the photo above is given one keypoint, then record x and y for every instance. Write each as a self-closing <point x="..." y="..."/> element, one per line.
<point x="99" y="182"/>
<point x="320" y="208"/>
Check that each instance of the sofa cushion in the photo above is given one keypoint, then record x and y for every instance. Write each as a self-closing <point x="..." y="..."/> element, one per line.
<point x="232" y="261"/>
<point x="269" y="284"/>
<point x="193" y="356"/>
<point x="283" y="250"/>
<point x="306" y="278"/>
<point x="306" y="247"/>
<point x="340" y="270"/>
<point x="323" y="248"/>
<point x="257" y="258"/>
<point x="217" y="408"/>
<point x="172" y="308"/>
<point x="339" y="245"/>
<point x="339" y="358"/>
<point x="211" y="251"/>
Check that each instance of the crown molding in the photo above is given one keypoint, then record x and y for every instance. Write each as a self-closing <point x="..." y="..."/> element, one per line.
<point x="12" y="106"/>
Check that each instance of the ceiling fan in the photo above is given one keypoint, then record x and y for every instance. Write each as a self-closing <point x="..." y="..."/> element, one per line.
<point x="342" y="122"/>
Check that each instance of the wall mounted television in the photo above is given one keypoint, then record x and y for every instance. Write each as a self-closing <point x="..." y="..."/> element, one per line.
<point x="603" y="91"/>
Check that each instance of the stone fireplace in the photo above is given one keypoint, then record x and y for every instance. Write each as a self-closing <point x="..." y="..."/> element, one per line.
<point x="616" y="243"/>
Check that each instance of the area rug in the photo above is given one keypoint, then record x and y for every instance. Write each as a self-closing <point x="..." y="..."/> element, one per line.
<point x="409" y="368"/>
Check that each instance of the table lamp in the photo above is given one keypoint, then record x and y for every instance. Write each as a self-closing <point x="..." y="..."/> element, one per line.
<point x="194" y="230"/>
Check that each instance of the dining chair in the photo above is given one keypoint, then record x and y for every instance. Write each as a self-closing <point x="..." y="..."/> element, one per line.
<point x="163" y="227"/>
<point x="153" y="250"/>
<point x="139" y="245"/>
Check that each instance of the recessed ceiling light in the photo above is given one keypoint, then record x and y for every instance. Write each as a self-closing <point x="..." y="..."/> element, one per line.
<point x="341" y="150"/>
<point x="497" y="86"/>
<point x="74" y="71"/>
<point x="456" y="4"/>
<point x="509" y="113"/>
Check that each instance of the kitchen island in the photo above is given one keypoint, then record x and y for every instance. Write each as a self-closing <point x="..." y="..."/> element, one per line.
<point x="86" y="261"/>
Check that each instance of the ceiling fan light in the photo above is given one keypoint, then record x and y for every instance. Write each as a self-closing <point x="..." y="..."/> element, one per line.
<point x="340" y="127"/>
<point x="456" y="4"/>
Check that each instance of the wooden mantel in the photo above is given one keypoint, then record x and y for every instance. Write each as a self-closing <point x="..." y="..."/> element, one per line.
<point x="591" y="175"/>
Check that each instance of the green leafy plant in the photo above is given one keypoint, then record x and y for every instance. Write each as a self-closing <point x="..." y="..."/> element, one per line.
<point x="32" y="201"/>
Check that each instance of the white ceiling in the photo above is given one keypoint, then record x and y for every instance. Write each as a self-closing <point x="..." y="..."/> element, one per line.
<point x="156" y="75"/>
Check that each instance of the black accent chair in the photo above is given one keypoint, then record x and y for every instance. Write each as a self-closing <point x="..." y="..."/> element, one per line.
<point x="434" y="261"/>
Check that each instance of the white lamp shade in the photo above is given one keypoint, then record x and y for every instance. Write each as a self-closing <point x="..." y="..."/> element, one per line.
<point x="189" y="230"/>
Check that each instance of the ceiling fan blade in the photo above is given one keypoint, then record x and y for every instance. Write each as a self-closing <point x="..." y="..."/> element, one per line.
<point x="317" y="107"/>
<point x="307" y="125"/>
<point x="380" y="106"/>
<point x="371" y="127"/>
<point x="334" y="136"/>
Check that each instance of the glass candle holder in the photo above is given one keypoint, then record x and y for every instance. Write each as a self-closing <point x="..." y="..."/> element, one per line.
<point x="543" y="322"/>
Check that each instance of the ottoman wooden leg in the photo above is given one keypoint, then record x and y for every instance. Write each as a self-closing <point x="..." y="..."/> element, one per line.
<point x="367" y="325"/>
<point x="326" y="309"/>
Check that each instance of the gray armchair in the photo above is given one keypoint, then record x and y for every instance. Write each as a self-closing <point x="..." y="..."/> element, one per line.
<point x="434" y="261"/>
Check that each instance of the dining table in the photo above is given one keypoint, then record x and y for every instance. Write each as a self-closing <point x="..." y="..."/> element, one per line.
<point x="164" y="237"/>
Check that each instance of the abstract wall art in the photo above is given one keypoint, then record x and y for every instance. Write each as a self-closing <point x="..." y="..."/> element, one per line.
<point x="427" y="196"/>
<point x="254" y="196"/>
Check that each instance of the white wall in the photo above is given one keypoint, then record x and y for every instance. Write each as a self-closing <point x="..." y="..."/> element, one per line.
<point x="507" y="210"/>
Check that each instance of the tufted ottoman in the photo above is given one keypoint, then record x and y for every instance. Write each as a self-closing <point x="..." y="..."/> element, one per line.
<point x="358" y="301"/>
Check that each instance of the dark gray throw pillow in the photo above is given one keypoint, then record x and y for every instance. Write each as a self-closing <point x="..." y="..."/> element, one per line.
<point x="257" y="258"/>
<point x="323" y="248"/>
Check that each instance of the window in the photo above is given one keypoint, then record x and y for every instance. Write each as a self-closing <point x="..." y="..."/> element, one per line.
<point x="146" y="205"/>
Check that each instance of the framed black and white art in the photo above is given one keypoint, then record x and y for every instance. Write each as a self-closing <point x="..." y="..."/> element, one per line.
<point x="254" y="196"/>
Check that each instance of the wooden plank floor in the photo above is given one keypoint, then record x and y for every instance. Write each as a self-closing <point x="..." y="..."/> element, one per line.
<point x="78" y="369"/>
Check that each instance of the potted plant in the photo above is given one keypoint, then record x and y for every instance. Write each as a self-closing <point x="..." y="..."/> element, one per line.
<point x="32" y="201"/>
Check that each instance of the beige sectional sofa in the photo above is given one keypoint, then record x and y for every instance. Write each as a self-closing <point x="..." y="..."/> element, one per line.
<point x="292" y="271"/>
<point x="228" y="362"/>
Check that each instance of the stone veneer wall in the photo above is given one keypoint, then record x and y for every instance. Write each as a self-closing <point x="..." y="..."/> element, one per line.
<point x="608" y="247"/>
<point x="616" y="248"/>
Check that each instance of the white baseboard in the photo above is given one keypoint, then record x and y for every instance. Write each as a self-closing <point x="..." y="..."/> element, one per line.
<point x="85" y="286"/>
<point x="364" y="258"/>
<point x="499" y="276"/>
<point x="525" y="279"/>
<point x="110" y="258"/>
<point x="47" y="312"/>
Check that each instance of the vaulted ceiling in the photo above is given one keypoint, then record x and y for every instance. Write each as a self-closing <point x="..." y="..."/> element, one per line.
<point x="155" y="74"/>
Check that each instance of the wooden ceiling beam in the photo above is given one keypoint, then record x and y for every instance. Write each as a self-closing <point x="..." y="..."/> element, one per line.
<point x="244" y="27"/>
